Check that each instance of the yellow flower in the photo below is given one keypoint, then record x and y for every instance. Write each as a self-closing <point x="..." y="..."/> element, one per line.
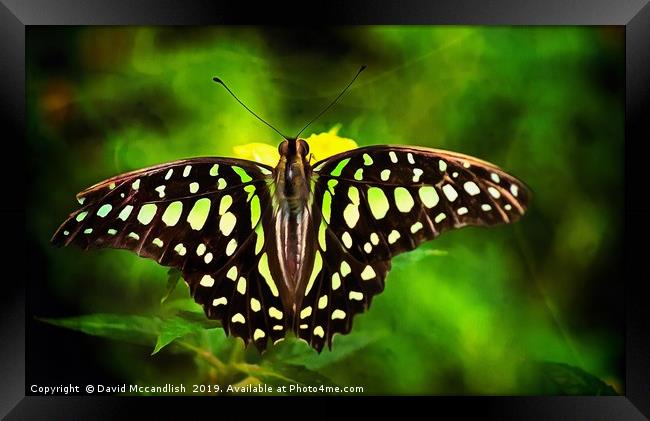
<point x="258" y="152"/>
<point x="321" y="146"/>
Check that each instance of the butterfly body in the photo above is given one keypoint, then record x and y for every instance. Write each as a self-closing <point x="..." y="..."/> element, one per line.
<point x="292" y="235"/>
<point x="295" y="248"/>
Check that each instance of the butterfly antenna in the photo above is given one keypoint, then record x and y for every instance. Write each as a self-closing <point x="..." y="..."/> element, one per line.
<point x="333" y="102"/>
<point x="219" y="81"/>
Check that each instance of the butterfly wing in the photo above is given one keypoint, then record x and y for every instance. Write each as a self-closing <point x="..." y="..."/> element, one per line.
<point x="373" y="203"/>
<point x="205" y="216"/>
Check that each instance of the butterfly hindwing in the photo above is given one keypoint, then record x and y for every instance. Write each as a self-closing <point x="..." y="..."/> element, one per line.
<point x="204" y="216"/>
<point x="379" y="201"/>
<point x="341" y="285"/>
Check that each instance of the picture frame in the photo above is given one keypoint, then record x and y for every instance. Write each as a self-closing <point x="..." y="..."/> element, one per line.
<point x="17" y="16"/>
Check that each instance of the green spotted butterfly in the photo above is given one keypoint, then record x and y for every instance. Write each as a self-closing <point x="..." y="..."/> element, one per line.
<point x="298" y="247"/>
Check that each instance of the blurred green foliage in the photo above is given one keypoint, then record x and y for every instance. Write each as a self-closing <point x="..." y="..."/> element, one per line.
<point x="461" y="315"/>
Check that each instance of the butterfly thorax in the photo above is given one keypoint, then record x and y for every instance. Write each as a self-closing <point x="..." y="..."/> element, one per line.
<point x="292" y="220"/>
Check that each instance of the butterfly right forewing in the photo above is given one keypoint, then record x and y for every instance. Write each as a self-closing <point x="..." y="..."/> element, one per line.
<point x="373" y="203"/>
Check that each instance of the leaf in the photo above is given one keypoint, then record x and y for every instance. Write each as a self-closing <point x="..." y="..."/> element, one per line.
<point x="293" y="351"/>
<point x="414" y="256"/>
<point x="173" y="276"/>
<point x="198" y="319"/>
<point x="141" y="330"/>
<point x="551" y="378"/>
<point x="174" y="328"/>
<point x="129" y="328"/>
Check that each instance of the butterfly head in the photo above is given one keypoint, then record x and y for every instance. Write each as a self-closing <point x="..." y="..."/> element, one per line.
<point x="293" y="148"/>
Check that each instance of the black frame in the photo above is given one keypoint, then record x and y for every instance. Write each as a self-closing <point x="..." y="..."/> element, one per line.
<point x="16" y="15"/>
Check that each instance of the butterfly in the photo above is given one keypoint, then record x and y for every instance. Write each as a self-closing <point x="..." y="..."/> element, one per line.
<point x="297" y="247"/>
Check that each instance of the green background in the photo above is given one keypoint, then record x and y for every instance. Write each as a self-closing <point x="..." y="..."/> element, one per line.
<point x="529" y="308"/>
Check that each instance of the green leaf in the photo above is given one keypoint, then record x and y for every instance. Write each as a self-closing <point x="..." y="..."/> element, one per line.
<point x="415" y="256"/>
<point x="294" y="351"/>
<point x="142" y="330"/>
<point x="198" y="319"/>
<point x="173" y="276"/>
<point x="129" y="328"/>
<point x="174" y="328"/>
<point x="551" y="378"/>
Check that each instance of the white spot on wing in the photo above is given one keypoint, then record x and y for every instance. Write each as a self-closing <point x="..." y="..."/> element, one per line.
<point x="336" y="281"/>
<point x="338" y="314"/>
<point x="355" y="295"/>
<point x="471" y="188"/>
<point x="227" y="223"/>
<point x="318" y="331"/>
<point x="231" y="247"/>
<point x="255" y="305"/>
<point x="259" y="334"/>
<point x="238" y="318"/>
<point x="416" y="227"/>
<point x="207" y="281"/>
<point x="275" y="313"/>
<point x="347" y="239"/>
<point x="322" y="302"/>
<point x="368" y="273"/>
<point x="161" y="191"/>
<point x="417" y="173"/>
<point x="232" y="273"/>
<point x="241" y="286"/>
<point x="514" y="189"/>
<point x="450" y="192"/>
<point x="220" y="300"/>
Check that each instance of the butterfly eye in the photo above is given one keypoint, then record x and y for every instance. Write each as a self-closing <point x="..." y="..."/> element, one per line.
<point x="283" y="148"/>
<point x="303" y="147"/>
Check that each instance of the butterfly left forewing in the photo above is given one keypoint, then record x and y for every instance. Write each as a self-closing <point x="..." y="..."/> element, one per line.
<point x="377" y="202"/>
<point x="205" y="216"/>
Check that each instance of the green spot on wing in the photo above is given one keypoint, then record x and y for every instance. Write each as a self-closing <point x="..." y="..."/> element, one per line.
<point x="199" y="213"/>
<point x="172" y="213"/>
<point x="104" y="210"/>
<point x="255" y="211"/>
<point x="378" y="202"/>
<point x="327" y="206"/>
<point x="263" y="268"/>
<point x="318" y="265"/>
<point x="331" y="184"/>
<point x="245" y="178"/>
<point x="339" y="168"/>
<point x="147" y="212"/>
